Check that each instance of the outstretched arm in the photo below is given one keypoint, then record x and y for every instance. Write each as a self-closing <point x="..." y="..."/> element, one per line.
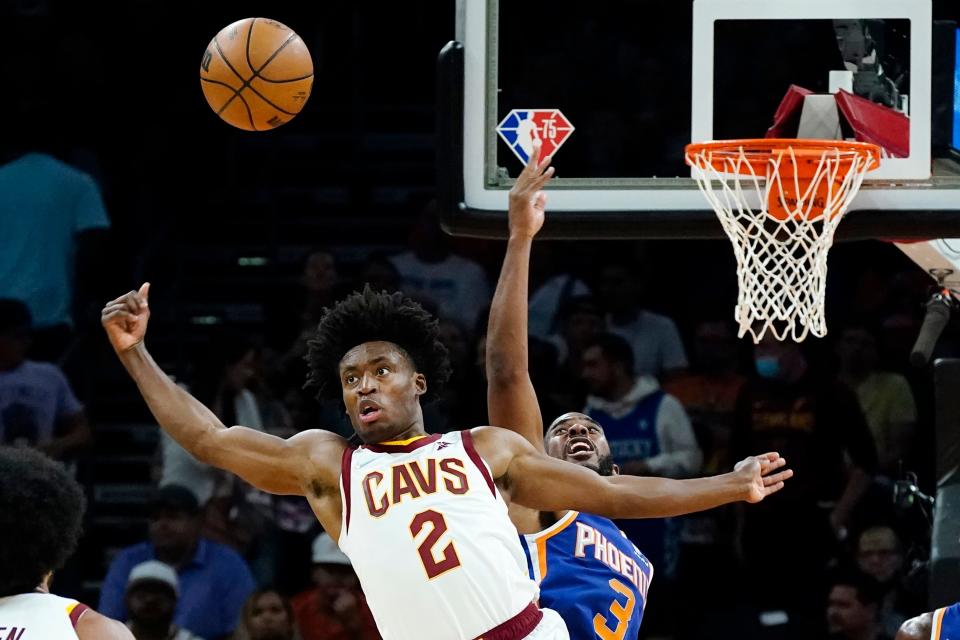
<point x="511" y="399"/>
<point x="538" y="481"/>
<point x="267" y="462"/>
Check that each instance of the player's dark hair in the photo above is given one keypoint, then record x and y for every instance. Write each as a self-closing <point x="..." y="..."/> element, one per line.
<point x="615" y="349"/>
<point x="42" y="508"/>
<point x="367" y="316"/>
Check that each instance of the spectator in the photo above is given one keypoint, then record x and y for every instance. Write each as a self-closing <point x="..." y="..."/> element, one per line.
<point x="852" y="609"/>
<point x="648" y="431"/>
<point x="657" y="349"/>
<point x="152" y="592"/>
<point x="816" y="425"/>
<point x="267" y="615"/>
<point x="52" y="216"/>
<point x="214" y="580"/>
<point x="457" y="286"/>
<point x="334" y="608"/>
<point x="880" y="555"/>
<point x="37" y="406"/>
<point x="581" y="321"/>
<point x="885" y="397"/>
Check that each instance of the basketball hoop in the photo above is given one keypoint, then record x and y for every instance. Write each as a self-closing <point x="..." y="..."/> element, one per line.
<point x="780" y="202"/>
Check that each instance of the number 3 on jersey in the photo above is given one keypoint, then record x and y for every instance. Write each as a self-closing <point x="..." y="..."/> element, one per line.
<point x="620" y="611"/>
<point x="448" y="558"/>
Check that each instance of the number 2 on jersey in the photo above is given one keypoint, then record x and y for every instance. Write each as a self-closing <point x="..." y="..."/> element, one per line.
<point x="438" y="526"/>
<point x="621" y="612"/>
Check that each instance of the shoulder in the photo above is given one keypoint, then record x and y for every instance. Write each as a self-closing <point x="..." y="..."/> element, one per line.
<point x="919" y="628"/>
<point x="96" y="626"/>
<point x="498" y="447"/>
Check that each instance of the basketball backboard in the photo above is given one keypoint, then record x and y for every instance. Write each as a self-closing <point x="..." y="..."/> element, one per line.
<point x="635" y="82"/>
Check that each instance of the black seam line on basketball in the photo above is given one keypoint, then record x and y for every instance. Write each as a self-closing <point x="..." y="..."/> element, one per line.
<point x="236" y="92"/>
<point x="227" y="62"/>
<point x="309" y="75"/>
<point x="249" y="113"/>
<point x="262" y="97"/>
<point x="274" y="54"/>
<point x="250" y="37"/>
<point x="229" y="100"/>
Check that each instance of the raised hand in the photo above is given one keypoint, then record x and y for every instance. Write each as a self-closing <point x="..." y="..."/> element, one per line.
<point x="527" y="201"/>
<point x="125" y="319"/>
<point x="757" y="471"/>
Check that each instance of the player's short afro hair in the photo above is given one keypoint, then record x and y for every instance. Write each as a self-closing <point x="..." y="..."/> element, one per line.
<point x="41" y="515"/>
<point x="368" y="316"/>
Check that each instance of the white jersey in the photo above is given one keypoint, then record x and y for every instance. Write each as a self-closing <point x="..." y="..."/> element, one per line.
<point x="430" y="539"/>
<point x="39" y="616"/>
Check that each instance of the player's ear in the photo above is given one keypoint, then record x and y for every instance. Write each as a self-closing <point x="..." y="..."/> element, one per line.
<point x="420" y="383"/>
<point x="616" y="469"/>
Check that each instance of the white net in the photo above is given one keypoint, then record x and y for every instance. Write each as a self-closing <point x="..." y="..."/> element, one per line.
<point x="781" y="225"/>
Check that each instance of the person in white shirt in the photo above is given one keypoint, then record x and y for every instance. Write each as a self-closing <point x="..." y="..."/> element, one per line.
<point x="43" y="510"/>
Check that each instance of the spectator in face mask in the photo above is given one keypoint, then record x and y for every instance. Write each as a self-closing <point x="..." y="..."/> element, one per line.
<point x="817" y="425"/>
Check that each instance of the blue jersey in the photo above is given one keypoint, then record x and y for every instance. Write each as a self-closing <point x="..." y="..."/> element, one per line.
<point x="590" y="574"/>
<point x="946" y="623"/>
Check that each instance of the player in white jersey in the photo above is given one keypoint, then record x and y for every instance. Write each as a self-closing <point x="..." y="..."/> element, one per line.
<point x="430" y="540"/>
<point x="42" y="508"/>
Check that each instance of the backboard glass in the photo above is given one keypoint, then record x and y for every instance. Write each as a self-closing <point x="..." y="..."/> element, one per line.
<point x="637" y="88"/>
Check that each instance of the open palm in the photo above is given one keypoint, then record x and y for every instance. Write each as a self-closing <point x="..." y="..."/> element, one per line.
<point x="527" y="201"/>
<point x="759" y="472"/>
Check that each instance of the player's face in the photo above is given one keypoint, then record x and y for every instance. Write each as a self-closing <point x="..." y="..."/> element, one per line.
<point x="381" y="390"/>
<point x="578" y="439"/>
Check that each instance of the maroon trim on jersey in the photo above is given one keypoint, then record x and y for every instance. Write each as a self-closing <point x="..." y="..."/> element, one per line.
<point x="402" y="448"/>
<point x="477" y="460"/>
<point x="345" y="461"/>
<point x="517" y="627"/>
<point x="76" y="612"/>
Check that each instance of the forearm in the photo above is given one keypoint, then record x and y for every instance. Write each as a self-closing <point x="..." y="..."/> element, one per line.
<point x="181" y="415"/>
<point x="640" y="497"/>
<point x="507" y="325"/>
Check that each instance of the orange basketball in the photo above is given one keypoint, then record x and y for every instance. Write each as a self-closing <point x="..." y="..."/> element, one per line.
<point x="256" y="74"/>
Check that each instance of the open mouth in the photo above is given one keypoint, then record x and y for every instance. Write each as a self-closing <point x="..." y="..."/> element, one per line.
<point x="369" y="411"/>
<point x="580" y="449"/>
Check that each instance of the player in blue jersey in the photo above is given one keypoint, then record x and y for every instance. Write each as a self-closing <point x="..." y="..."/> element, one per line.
<point x="941" y="624"/>
<point x="589" y="572"/>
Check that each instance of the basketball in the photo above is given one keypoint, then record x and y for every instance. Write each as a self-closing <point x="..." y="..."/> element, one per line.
<point x="256" y="74"/>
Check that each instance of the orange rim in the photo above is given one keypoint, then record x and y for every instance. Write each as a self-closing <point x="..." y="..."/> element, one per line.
<point x="723" y="155"/>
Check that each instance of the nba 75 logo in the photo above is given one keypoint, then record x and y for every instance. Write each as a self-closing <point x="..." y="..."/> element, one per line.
<point x="522" y="126"/>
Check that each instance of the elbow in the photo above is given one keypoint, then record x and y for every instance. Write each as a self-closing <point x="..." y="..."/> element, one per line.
<point x="204" y="447"/>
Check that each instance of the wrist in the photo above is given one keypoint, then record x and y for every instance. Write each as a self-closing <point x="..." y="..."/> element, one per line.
<point x="741" y="486"/>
